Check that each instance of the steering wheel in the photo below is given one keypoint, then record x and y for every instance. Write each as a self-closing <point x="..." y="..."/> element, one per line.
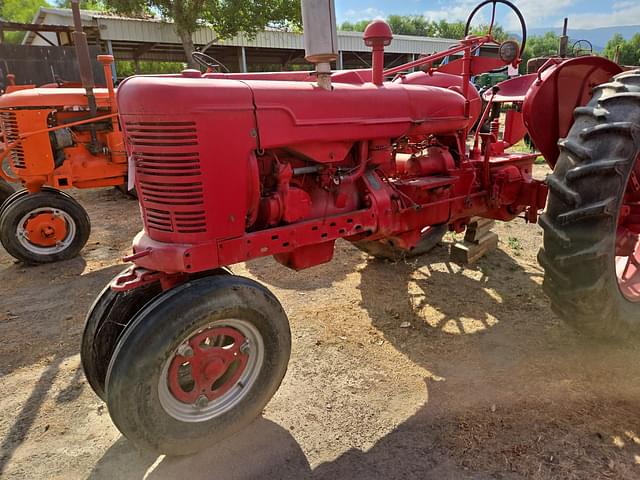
<point x="582" y="46"/>
<point x="523" y="25"/>
<point x="206" y="61"/>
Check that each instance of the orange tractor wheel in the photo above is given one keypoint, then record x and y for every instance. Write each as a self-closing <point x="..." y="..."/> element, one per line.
<point x="43" y="227"/>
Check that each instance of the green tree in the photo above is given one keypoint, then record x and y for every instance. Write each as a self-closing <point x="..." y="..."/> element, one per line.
<point x="419" y="25"/>
<point x="225" y="17"/>
<point x="358" y="26"/>
<point x="126" y="68"/>
<point x="21" y="11"/>
<point x="411" y="25"/>
<point x="453" y="30"/>
<point x="95" y="5"/>
<point x="629" y="50"/>
<point x="497" y="32"/>
<point x="617" y="41"/>
<point x="546" y="45"/>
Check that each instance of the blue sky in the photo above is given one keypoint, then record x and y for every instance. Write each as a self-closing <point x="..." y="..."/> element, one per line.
<point x="538" y="13"/>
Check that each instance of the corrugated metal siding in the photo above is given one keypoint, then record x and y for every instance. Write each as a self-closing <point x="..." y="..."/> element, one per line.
<point x="132" y="30"/>
<point x="136" y="30"/>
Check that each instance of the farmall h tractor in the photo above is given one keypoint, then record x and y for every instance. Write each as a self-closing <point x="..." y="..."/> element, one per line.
<point x="55" y="139"/>
<point x="242" y="166"/>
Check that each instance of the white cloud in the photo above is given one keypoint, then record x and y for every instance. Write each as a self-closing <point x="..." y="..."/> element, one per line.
<point x="537" y="13"/>
<point x="370" y="13"/>
<point x="459" y="10"/>
<point x="622" y="13"/>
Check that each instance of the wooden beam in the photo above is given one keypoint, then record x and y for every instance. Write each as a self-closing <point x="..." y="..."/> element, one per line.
<point x="38" y="27"/>
<point x="45" y="39"/>
<point x="142" y="49"/>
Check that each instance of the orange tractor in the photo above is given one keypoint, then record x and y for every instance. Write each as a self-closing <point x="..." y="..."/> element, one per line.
<point x="56" y="139"/>
<point x="6" y="190"/>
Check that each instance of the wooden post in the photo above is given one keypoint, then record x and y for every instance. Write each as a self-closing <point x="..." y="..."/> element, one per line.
<point x="242" y="59"/>
<point x="478" y="240"/>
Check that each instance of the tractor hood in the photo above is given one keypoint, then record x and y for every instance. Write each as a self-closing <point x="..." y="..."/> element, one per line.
<point x="52" y="97"/>
<point x="293" y="112"/>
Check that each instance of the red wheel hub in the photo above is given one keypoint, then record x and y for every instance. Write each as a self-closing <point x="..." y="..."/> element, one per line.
<point x="46" y="229"/>
<point x="627" y="244"/>
<point x="209" y="363"/>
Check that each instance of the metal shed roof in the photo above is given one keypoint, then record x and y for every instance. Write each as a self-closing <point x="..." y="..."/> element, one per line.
<point x="150" y="30"/>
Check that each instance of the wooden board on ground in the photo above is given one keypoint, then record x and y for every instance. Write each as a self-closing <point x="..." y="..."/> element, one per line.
<point x="478" y="240"/>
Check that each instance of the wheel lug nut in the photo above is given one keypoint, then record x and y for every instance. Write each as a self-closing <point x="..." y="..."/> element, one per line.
<point x="185" y="350"/>
<point x="245" y="347"/>
<point x="202" y="401"/>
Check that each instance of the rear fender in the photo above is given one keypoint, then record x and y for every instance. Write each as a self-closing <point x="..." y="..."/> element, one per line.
<point x="561" y="87"/>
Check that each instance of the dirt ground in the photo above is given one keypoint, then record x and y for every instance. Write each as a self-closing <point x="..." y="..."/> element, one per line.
<point x="410" y="370"/>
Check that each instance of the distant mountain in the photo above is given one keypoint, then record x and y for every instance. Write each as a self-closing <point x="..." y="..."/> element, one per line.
<point x="597" y="36"/>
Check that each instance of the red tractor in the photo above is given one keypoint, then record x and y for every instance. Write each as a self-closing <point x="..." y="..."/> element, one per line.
<point x="239" y="166"/>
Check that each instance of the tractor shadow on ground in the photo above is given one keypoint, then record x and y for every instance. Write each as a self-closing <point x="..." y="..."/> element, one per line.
<point x="54" y="324"/>
<point x="541" y="439"/>
<point x="489" y="332"/>
<point x="26" y="416"/>
<point x="520" y="395"/>
<point x="439" y="298"/>
<point x="52" y="328"/>
<point x="262" y="450"/>
<point x="345" y="261"/>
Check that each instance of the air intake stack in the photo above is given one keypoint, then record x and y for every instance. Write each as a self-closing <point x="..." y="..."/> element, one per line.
<point x="320" y="37"/>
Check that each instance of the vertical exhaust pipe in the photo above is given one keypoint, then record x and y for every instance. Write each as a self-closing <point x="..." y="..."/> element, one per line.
<point x="86" y="72"/>
<point x="564" y="40"/>
<point x="320" y="37"/>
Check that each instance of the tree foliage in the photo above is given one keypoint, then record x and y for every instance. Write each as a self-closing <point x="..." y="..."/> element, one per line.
<point x="126" y="68"/>
<point x="629" y="49"/>
<point x="21" y="11"/>
<point x="225" y="17"/>
<point x="95" y="5"/>
<point x="420" y="26"/>
<point x="546" y="45"/>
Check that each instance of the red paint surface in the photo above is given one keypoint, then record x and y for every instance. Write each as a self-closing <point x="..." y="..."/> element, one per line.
<point x="232" y="167"/>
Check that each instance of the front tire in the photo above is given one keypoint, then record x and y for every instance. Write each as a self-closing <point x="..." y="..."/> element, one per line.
<point x="592" y="220"/>
<point x="197" y="364"/>
<point x="107" y="319"/>
<point x="43" y="227"/>
<point x="6" y="190"/>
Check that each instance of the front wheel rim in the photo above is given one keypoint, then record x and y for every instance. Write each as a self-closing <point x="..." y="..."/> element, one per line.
<point x="211" y="371"/>
<point x="46" y="231"/>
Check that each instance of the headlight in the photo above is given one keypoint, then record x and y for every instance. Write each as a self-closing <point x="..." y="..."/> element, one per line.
<point x="509" y="51"/>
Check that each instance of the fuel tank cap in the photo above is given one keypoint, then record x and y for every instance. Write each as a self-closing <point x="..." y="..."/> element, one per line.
<point x="191" y="73"/>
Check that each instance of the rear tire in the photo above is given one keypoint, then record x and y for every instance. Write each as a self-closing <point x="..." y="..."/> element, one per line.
<point x="587" y="189"/>
<point x="43" y="227"/>
<point x="386" y="249"/>
<point x="150" y="396"/>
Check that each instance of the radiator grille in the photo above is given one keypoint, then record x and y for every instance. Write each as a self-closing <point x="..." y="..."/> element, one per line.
<point x="168" y="175"/>
<point x="11" y="133"/>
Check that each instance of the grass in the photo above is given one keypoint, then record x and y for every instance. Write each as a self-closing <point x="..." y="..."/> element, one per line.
<point x="515" y="245"/>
